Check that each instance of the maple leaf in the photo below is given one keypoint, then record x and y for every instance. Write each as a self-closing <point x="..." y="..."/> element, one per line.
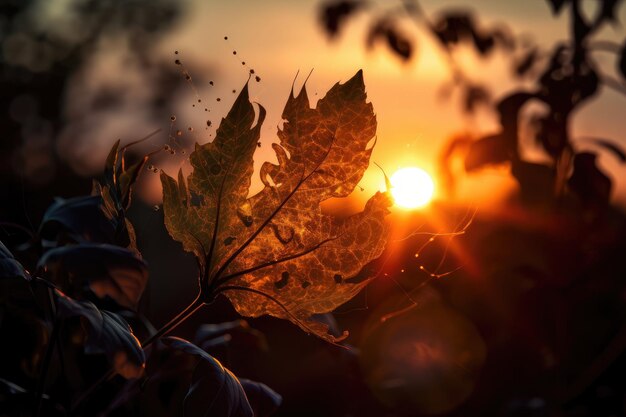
<point x="276" y="252"/>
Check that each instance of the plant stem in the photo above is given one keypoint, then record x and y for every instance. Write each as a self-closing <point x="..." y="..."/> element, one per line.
<point x="175" y="322"/>
<point x="168" y="327"/>
<point x="41" y="384"/>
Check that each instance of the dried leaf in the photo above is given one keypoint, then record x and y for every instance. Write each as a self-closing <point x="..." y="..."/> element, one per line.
<point x="276" y="252"/>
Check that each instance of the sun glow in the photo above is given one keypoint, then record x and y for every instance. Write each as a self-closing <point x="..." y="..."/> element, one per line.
<point x="411" y="188"/>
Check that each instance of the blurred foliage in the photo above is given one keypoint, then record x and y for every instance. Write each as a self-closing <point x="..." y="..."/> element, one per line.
<point x="542" y="278"/>
<point x="45" y="48"/>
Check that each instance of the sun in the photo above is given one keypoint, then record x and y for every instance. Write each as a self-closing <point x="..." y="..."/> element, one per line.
<point x="411" y="187"/>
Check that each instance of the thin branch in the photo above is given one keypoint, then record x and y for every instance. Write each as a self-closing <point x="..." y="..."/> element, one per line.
<point x="614" y="84"/>
<point x="175" y="322"/>
<point x="607" y="46"/>
<point x="18" y="227"/>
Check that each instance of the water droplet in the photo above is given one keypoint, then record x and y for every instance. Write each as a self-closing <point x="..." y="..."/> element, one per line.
<point x="173" y="118"/>
<point x="417" y="255"/>
<point x="402" y="270"/>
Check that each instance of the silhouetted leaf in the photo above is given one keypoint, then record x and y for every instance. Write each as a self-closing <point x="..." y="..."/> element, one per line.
<point x="524" y="65"/>
<point x="15" y="401"/>
<point x="209" y="336"/>
<point x="608" y="11"/>
<point x="22" y="312"/>
<point x="333" y="14"/>
<point x="106" y="333"/>
<point x="323" y="154"/>
<point x="486" y="151"/>
<point x="475" y="95"/>
<point x="568" y="81"/>
<point x="386" y="29"/>
<point x="263" y="400"/>
<point x="612" y="147"/>
<point x="557" y="5"/>
<point x="458" y="27"/>
<point x="589" y="182"/>
<point x="9" y="266"/>
<point x="119" y="177"/>
<point x="214" y="389"/>
<point x="78" y="219"/>
<point x="536" y="181"/>
<point x="105" y="269"/>
<point x="453" y="28"/>
<point x="484" y="43"/>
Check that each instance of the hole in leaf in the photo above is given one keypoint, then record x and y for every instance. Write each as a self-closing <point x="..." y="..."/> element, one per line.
<point x="284" y="280"/>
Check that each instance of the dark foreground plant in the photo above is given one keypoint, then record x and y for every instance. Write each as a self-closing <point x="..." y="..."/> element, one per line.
<point x="71" y="326"/>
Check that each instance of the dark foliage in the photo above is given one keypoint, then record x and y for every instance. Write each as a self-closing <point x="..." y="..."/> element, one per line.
<point x="71" y="315"/>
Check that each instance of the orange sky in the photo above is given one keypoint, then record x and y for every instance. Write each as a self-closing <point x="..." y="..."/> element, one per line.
<point x="281" y="37"/>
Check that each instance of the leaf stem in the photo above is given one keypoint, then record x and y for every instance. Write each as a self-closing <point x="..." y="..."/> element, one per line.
<point x="168" y="327"/>
<point x="175" y="322"/>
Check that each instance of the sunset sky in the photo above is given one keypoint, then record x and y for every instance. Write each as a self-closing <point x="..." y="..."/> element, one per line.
<point x="279" y="38"/>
